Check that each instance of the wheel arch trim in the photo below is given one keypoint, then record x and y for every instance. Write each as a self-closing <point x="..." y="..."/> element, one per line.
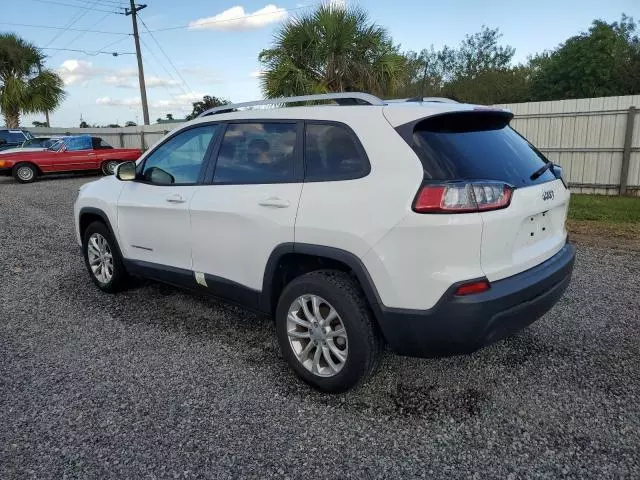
<point x="105" y="218"/>
<point x="354" y="263"/>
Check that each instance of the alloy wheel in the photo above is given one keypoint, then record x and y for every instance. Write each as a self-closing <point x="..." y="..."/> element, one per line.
<point x="317" y="335"/>
<point x="100" y="258"/>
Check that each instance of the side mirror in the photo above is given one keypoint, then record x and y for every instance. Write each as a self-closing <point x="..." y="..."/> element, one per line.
<point x="126" y="171"/>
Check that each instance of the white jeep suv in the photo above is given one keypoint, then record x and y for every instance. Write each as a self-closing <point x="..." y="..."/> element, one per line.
<point x="429" y="226"/>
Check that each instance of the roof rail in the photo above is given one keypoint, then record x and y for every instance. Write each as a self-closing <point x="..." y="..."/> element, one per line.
<point x="351" y="98"/>
<point x="432" y="99"/>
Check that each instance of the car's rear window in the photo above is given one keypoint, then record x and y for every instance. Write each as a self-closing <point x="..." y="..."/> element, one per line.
<point x="476" y="146"/>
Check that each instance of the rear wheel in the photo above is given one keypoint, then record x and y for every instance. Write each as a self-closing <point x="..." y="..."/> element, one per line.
<point x="326" y="332"/>
<point x="25" y="172"/>
<point x="109" y="167"/>
<point x="102" y="258"/>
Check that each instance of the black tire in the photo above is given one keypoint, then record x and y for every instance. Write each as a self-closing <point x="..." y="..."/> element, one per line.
<point x="120" y="279"/>
<point x="25" y="172"/>
<point x="107" y="167"/>
<point x="365" y="342"/>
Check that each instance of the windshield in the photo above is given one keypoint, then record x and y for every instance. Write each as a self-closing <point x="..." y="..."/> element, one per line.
<point x="57" y="144"/>
<point x="42" y="142"/>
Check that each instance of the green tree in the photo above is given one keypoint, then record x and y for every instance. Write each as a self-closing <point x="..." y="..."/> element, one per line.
<point x="130" y="124"/>
<point x="25" y="87"/>
<point x="36" y="123"/>
<point x="603" y="61"/>
<point x="479" y="70"/>
<point x="332" y="49"/>
<point x="84" y="124"/>
<point x="204" y="105"/>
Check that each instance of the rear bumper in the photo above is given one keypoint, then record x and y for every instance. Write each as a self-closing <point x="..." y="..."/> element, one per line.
<point x="462" y="324"/>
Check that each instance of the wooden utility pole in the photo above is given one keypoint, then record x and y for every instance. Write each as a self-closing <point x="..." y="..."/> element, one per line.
<point x="143" y="89"/>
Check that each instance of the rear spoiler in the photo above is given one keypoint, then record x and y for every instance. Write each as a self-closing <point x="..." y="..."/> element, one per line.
<point x="480" y="118"/>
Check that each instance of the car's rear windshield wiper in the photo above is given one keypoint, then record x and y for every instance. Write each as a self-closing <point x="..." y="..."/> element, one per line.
<point x="541" y="170"/>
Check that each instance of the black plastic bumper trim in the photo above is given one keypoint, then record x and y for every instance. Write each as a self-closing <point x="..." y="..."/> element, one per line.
<point x="463" y="324"/>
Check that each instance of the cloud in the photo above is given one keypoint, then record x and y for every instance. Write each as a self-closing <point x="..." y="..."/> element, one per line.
<point x="119" y="102"/>
<point x="235" y="18"/>
<point x="129" y="79"/>
<point x="78" y="71"/>
<point x="118" y="81"/>
<point x="153" y="82"/>
<point x="202" y="75"/>
<point x="182" y="101"/>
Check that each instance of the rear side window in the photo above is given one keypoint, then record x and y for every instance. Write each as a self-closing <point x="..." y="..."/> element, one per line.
<point x="476" y="146"/>
<point x="331" y="152"/>
<point x="257" y="152"/>
<point x="100" y="144"/>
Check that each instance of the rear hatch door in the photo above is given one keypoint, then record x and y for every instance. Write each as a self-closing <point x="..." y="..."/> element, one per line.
<point x="479" y="145"/>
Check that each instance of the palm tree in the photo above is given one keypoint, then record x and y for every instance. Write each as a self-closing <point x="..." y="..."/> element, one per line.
<point x="25" y="87"/>
<point x="332" y="49"/>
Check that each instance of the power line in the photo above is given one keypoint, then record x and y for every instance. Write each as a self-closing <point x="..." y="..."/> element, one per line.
<point x="115" y="3"/>
<point x="111" y="44"/>
<point x="82" y="34"/>
<point x="169" y="74"/>
<point x="63" y="28"/>
<point x="75" y="6"/>
<point x="165" y="55"/>
<point x="92" y="53"/>
<point x="70" y="23"/>
<point x="230" y="19"/>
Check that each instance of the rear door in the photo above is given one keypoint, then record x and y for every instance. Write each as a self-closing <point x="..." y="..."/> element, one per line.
<point x="480" y="145"/>
<point x="249" y="206"/>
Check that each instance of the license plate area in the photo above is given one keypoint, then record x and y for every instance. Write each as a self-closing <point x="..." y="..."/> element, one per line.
<point x="535" y="228"/>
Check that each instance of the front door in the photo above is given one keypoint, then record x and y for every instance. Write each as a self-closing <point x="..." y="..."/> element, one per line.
<point x="250" y="206"/>
<point x="153" y="211"/>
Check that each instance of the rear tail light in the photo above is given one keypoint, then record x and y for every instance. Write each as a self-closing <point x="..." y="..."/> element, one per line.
<point x="462" y="197"/>
<point x="472" y="287"/>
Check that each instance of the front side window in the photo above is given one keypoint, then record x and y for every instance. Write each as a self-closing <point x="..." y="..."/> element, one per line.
<point x="76" y="144"/>
<point x="331" y="153"/>
<point x="257" y="153"/>
<point x="180" y="159"/>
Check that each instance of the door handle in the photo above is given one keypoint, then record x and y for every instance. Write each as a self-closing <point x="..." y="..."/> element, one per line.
<point x="175" y="198"/>
<point x="274" y="202"/>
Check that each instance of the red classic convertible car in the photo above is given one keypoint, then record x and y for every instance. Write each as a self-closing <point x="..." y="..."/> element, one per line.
<point x="69" y="154"/>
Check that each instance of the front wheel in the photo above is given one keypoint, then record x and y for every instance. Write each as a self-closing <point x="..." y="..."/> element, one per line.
<point x="326" y="332"/>
<point x="109" y="167"/>
<point x="102" y="258"/>
<point x="25" y="172"/>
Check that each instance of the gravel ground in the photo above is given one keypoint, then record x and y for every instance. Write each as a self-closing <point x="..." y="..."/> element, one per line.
<point x="157" y="383"/>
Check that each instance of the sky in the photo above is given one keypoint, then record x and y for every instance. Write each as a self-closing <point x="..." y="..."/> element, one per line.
<point x="211" y="47"/>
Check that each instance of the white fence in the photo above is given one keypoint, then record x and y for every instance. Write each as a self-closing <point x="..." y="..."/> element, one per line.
<point x="125" y="137"/>
<point x="595" y="140"/>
